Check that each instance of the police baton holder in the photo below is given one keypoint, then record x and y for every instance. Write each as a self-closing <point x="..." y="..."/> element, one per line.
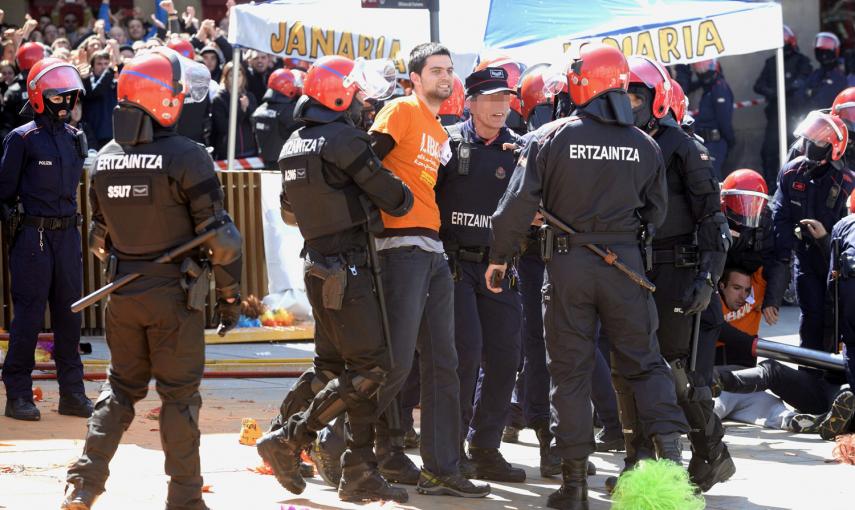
<point x="167" y="257"/>
<point x="607" y="255"/>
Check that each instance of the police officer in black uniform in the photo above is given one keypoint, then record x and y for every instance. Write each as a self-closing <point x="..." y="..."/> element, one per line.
<point x="797" y="68"/>
<point x="842" y="269"/>
<point x="688" y="258"/>
<point x="825" y="82"/>
<point x="274" y="118"/>
<point x="39" y="177"/>
<point x="153" y="190"/>
<point x="333" y="184"/>
<point x="487" y="325"/>
<point x="573" y="171"/>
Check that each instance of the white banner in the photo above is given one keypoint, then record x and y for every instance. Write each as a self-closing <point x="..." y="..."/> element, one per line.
<point x="282" y="245"/>
<point x="695" y="39"/>
<point x="316" y="28"/>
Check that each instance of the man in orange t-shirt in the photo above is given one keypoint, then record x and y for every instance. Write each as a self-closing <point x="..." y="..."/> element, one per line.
<point x="411" y="142"/>
<point x="742" y="296"/>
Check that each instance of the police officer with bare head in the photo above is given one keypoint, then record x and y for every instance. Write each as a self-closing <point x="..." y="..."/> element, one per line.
<point x="154" y="190"/>
<point x="573" y="170"/>
<point x="689" y="251"/>
<point x="333" y="188"/>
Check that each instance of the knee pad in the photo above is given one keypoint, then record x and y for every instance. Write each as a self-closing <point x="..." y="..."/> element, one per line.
<point x="301" y="395"/>
<point x="680" y="375"/>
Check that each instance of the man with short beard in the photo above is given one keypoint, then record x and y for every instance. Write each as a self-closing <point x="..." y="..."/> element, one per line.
<point x="409" y="138"/>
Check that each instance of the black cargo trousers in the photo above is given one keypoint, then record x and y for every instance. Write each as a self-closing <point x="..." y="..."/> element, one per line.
<point x="150" y="333"/>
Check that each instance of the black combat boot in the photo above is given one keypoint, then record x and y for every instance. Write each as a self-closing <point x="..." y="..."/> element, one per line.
<point x="79" y="497"/>
<point x="327" y="464"/>
<point x="394" y="464"/>
<point x="363" y="482"/>
<point x="490" y="465"/>
<point x="550" y="464"/>
<point x="22" y="408"/>
<point x="283" y="456"/>
<point x="710" y="464"/>
<point x="573" y="493"/>
<point x="669" y="446"/>
<point x="75" y="404"/>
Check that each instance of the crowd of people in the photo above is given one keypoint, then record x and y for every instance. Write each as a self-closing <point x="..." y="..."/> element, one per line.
<point x="565" y="244"/>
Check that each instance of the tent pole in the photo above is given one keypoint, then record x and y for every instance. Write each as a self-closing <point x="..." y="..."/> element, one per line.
<point x="433" y="9"/>
<point x="782" y="107"/>
<point x="233" y="106"/>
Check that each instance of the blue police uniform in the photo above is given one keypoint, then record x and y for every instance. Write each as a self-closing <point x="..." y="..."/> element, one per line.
<point x="844" y="233"/>
<point x="804" y="194"/>
<point x="487" y="325"/>
<point x="42" y="165"/>
<point x="714" y="122"/>
<point x="822" y="87"/>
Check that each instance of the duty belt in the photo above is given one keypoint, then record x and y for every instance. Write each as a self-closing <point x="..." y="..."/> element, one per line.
<point x="473" y="254"/>
<point x="53" y="223"/>
<point x="682" y="255"/>
<point x="147" y="268"/>
<point x="563" y="242"/>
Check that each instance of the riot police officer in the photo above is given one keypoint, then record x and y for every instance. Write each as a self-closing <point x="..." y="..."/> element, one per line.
<point x="714" y="122"/>
<point x="486" y="325"/>
<point x="154" y="190"/>
<point x="842" y="269"/>
<point x="828" y="80"/>
<point x="797" y="68"/>
<point x="39" y="176"/>
<point x="688" y="258"/>
<point x="274" y="119"/>
<point x="12" y="114"/>
<point x="572" y="170"/>
<point x="333" y="184"/>
<point x="813" y="186"/>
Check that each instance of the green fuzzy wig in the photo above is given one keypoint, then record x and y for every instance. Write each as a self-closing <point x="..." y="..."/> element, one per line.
<point x="656" y="485"/>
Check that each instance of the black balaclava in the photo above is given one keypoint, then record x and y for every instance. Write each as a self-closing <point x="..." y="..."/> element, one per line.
<point x="815" y="156"/>
<point x="643" y="114"/>
<point x="61" y="111"/>
<point x="826" y="58"/>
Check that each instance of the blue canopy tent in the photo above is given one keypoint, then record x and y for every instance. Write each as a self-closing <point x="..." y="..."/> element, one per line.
<point x="670" y="31"/>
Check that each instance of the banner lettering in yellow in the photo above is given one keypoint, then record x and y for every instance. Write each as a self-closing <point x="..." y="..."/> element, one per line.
<point x="307" y="42"/>
<point x="669" y="44"/>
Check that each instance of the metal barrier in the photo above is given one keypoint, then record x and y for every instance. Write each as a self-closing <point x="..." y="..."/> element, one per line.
<point x="243" y="201"/>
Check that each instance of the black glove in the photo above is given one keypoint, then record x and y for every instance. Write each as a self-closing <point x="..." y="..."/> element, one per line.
<point x="697" y="296"/>
<point x="227" y="315"/>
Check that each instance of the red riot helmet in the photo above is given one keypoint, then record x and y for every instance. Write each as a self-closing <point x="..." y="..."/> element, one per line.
<point x="28" y="55"/>
<point x="744" y="196"/>
<point x="644" y="71"/>
<point x="284" y="82"/>
<point x="453" y="105"/>
<point x="850" y="202"/>
<point x="844" y="107"/>
<point x="514" y="70"/>
<point x="827" y="41"/>
<point x="823" y="131"/>
<point x="52" y="77"/>
<point x="297" y="63"/>
<point x="334" y="81"/>
<point x="159" y="82"/>
<point x="790" y="37"/>
<point x="599" y="69"/>
<point x="679" y="101"/>
<point x="532" y="90"/>
<point x="182" y="46"/>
